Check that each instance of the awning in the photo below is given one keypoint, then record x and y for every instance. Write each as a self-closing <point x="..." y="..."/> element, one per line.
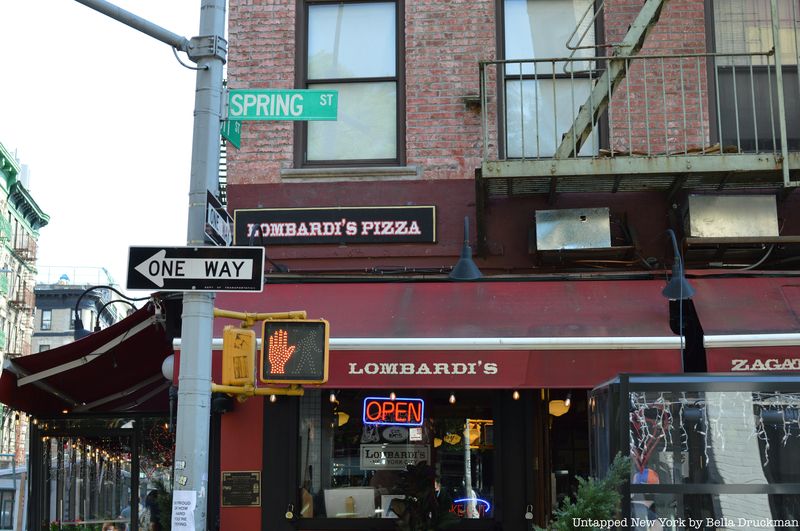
<point x="114" y="370"/>
<point x="749" y="324"/>
<point x="490" y="334"/>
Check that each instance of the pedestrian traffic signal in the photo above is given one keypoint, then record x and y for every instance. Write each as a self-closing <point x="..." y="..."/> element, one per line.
<point x="238" y="356"/>
<point x="294" y="351"/>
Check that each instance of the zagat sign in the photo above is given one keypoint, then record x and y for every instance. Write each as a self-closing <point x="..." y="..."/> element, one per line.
<point x="393" y="412"/>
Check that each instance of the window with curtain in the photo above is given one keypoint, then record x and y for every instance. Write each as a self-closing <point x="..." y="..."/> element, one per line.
<point x="353" y="48"/>
<point x="543" y="97"/>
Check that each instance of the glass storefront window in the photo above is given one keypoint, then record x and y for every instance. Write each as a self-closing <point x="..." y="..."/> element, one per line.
<point x="105" y="472"/>
<point x="717" y="511"/>
<point x="715" y="437"/>
<point x="352" y="468"/>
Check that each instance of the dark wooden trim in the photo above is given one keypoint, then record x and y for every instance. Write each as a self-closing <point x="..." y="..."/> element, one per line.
<point x="300" y="151"/>
<point x="280" y="463"/>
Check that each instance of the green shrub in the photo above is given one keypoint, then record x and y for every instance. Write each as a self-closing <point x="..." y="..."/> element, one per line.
<point x="595" y="499"/>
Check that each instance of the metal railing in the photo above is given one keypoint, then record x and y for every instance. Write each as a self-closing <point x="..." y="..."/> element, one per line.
<point x="664" y="106"/>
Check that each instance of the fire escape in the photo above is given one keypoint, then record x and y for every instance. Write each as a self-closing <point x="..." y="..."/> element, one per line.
<point x="634" y="117"/>
<point x="649" y="121"/>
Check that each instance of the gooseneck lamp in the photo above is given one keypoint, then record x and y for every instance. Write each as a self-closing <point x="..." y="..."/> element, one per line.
<point x="678" y="288"/>
<point x="80" y="331"/>
<point x="465" y="268"/>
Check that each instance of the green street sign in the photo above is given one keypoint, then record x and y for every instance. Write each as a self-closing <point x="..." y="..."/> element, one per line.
<point x="268" y="104"/>
<point x="232" y="132"/>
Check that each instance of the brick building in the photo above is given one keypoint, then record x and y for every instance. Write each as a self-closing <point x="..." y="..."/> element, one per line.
<point x="572" y="136"/>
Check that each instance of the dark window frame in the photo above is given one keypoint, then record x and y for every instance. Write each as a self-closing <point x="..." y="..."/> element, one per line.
<point x="49" y="320"/>
<point x="764" y="141"/>
<point x="6" y="518"/>
<point x="301" y="80"/>
<point x="599" y="43"/>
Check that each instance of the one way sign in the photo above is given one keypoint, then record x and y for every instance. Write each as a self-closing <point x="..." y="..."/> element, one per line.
<point x="196" y="268"/>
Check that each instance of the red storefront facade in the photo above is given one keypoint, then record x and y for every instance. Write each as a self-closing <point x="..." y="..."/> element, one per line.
<point x="444" y="107"/>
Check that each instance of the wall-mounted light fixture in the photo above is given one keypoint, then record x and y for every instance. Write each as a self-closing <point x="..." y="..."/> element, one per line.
<point x="678" y="288"/>
<point x="465" y="268"/>
<point x="557" y="407"/>
<point x="80" y="331"/>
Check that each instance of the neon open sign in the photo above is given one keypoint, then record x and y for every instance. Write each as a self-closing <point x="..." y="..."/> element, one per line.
<point x="397" y="412"/>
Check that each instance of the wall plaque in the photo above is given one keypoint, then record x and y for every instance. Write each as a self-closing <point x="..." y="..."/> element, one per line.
<point x="241" y="489"/>
<point x="335" y="225"/>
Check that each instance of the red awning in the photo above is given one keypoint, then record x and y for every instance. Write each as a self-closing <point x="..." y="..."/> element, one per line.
<point x="749" y="324"/>
<point x="481" y="334"/>
<point x="114" y="370"/>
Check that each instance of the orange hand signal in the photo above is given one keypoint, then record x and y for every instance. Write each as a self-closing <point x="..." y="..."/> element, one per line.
<point x="279" y="352"/>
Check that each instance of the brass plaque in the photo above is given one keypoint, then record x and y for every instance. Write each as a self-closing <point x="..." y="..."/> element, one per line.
<point x="241" y="489"/>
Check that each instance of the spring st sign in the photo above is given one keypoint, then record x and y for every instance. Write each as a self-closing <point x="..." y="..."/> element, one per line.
<point x="276" y="104"/>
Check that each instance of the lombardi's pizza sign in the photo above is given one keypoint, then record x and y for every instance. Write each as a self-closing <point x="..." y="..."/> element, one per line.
<point x="334" y="225"/>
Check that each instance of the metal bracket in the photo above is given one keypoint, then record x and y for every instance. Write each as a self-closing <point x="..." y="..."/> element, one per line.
<point x="223" y="115"/>
<point x="207" y="46"/>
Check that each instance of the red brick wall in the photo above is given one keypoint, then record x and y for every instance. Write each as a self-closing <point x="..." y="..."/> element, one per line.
<point x="444" y="42"/>
<point x="643" y="122"/>
<point x="261" y="55"/>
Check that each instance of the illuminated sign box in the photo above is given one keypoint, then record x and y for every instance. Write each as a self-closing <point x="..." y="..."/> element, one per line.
<point x="398" y="412"/>
<point x="294" y="351"/>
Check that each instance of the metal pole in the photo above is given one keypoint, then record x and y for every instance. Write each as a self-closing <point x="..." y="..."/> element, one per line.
<point x="776" y="43"/>
<point x="138" y="23"/>
<point x="208" y="51"/>
<point x="194" y="384"/>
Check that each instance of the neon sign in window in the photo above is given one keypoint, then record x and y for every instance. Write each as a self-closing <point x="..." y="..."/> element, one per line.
<point x="397" y="412"/>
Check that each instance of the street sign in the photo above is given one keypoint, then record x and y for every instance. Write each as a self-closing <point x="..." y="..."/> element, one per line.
<point x="269" y="104"/>
<point x="196" y="268"/>
<point x="294" y="351"/>
<point x="232" y="132"/>
<point x="218" y="222"/>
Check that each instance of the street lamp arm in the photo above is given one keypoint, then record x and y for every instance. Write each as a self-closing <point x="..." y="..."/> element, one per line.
<point x="138" y="23"/>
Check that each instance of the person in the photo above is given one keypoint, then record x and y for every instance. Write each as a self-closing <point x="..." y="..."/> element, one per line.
<point x="443" y="501"/>
<point x="109" y="526"/>
<point x="152" y="513"/>
<point x="642" y="512"/>
<point x="125" y="513"/>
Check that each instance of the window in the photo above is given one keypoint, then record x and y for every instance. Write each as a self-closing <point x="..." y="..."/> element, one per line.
<point x="747" y="116"/>
<point x="354" y="48"/>
<point x="6" y="509"/>
<point x="43" y="347"/>
<point x="47" y="319"/>
<point x="357" y="466"/>
<point x="543" y="97"/>
<point x="74" y="315"/>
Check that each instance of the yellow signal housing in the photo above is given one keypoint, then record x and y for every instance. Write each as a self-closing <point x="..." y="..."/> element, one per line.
<point x="238" y="356"/>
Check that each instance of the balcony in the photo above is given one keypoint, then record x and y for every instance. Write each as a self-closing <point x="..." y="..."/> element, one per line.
<point x="25" y="248"/>
<point x="666" y="123"/>
<point x="22" y="299"/>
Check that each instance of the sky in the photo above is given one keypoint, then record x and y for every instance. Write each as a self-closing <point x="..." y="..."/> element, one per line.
<point x="102" y="116"/>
